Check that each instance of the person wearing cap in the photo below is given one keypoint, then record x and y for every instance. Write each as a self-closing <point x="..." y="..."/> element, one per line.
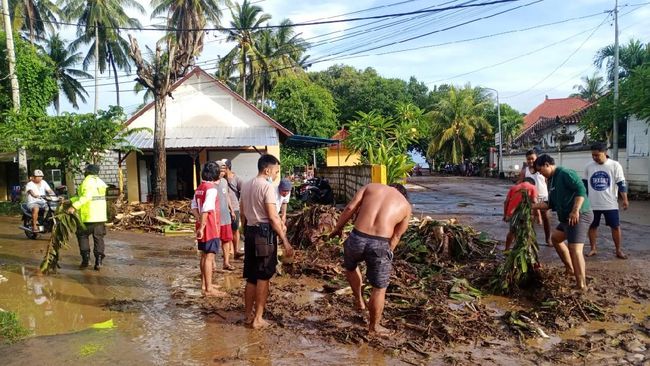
<point x="91" y="204"/>
<point x="234" y="190"/>
<point x="36" y="188"/>
<point x="284" y="195"/>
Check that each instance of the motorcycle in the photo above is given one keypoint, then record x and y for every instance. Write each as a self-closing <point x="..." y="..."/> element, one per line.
<point x="45" y="217"/>
<point x="316" y="190"/>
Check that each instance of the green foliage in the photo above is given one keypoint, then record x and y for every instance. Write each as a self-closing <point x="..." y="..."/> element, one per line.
<point x="10" y="328"/>
<point x="512" y="122"/>
<point x="636" y="91"/>
<point x="457" y="122"/>
<point x="65" y="228"/>
<point x="35" y="71"/>
<point x="365" y="91"/>
<point x="9" y="208"/>
<point x="591" y="88"/>
<point x="303" y="107"/>
<point x="385" y="140"/>
<point x="521" y="262"/>
<point x="70" y="139"/>
<point x="292" y="158"/>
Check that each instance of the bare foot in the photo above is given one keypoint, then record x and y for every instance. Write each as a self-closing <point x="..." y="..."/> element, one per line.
<point x="214" y="293"/>
<point x="620" y="255"/>
<point x="381" y="331"/>
<point x="568" y="272"/>
<point x="549" y="244"/>
<point x="360" y="306"/>
<point x="260" y="324"/>
<point x="592" y="253"/>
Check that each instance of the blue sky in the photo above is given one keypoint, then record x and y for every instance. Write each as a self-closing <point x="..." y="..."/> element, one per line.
<point x="523" y="66"/>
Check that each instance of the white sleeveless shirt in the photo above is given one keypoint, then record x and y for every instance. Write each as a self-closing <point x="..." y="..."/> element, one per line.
<point x="540" y="184"/>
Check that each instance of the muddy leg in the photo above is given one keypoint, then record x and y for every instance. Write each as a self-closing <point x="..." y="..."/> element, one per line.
<point x="578" y="260"/>
<point x="618" y="237"/>
<point x="562" y="250"/>
<point x="355" y="281"/>
<point x="207" y="273"/>
<point x="261" y="293"/>
<point x="509" y="239"/>
<point x="249" y="301"/>
<point x="593" y="233"/>
<point x="202" y="268"/>
<point x="227" y="251"/>
<point x="376" y="306"/>
<point x="546" y="221"/>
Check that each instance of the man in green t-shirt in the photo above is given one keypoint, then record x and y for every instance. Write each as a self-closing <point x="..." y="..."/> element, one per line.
<point x="567" y="196"/>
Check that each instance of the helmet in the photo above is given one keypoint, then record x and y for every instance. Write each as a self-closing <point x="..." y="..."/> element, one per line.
<point x="91" y="169"/>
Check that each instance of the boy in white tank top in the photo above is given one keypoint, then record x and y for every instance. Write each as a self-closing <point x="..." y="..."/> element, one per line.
<point x="528" y="171"/>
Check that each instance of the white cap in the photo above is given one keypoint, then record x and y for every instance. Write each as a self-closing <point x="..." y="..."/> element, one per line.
<point x="38" y="173"/>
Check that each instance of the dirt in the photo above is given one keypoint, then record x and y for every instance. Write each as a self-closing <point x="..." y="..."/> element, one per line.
<point x="150" y="289"/>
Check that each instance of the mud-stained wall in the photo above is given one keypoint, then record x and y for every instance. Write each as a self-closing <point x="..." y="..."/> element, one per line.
<point x="346" y="180"/>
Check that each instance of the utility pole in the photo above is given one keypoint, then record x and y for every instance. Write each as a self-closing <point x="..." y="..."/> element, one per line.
<point x="616" y="61"/>
<point x="15" y="89"/>
<point x="96" y="68"/>
<point x="500" y="160"/>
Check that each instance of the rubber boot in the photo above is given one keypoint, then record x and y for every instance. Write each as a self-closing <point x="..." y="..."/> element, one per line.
<point x="98" y="261"/>
<point x="85" y="258"/>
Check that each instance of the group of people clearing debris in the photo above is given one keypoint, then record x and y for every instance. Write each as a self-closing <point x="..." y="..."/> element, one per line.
<point x="579" y="203"/>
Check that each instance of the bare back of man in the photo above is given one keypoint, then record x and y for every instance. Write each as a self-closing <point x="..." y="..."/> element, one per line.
<point x="383" y="213"/>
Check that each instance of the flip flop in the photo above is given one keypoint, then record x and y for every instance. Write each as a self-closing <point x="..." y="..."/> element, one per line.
<point x="228" y="268"/>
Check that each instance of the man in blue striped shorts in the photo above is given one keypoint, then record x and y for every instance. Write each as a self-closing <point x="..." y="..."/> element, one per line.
<point x="383" y="214"/>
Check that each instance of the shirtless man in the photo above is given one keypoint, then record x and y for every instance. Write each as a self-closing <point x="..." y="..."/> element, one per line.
<point x="383" y="214"/>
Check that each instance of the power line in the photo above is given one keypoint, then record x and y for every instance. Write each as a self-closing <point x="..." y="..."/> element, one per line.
<point x="174" y="29"/>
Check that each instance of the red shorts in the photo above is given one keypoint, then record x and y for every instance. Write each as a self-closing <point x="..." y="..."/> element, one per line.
<point x="226" y="233"/>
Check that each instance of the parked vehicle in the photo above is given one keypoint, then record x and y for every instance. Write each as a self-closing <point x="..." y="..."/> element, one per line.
<point x="316" y="190"/>
<point x="45" y="217"/>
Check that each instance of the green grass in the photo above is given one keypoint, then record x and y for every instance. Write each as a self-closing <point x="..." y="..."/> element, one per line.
<point x="10" y="328"/>
<point x="9" y="209"/>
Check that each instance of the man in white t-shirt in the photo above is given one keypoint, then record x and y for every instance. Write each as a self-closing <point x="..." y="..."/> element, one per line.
<point x="36" y="188"/>
<point x="284" y="195"/>
<point x="604" y="179"/>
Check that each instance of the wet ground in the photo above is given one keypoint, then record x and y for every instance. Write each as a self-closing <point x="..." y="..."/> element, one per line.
<point x="147" y="281"/>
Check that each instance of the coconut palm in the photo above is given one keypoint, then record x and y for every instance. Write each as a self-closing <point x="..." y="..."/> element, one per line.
<point x="455" y="119"/>
<point x="65" y="73"/>
<point x="34" y="17"/>
<point x="631" y="55"/>
<point x="99" y="23"/>
<point x="245" y="24"/>
<point x="591" y="88"/>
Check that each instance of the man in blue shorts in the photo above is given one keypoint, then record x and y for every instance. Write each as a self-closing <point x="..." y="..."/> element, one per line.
<point x="383" y="214"/>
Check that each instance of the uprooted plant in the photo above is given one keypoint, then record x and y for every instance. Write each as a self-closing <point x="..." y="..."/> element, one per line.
<point x="65" y="227"/>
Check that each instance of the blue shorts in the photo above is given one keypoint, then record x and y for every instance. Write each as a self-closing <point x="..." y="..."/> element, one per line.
<point x="611" y="218"/>
<point x="211" y="246"/>
<point x="375" y="251"/>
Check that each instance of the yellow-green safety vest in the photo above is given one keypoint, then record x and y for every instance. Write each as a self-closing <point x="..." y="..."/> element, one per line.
<point x="91" y="200"/>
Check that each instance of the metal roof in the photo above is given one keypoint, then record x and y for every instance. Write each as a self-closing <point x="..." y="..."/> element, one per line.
<point x="200" y="137"/>
<point x="301" y="141"/>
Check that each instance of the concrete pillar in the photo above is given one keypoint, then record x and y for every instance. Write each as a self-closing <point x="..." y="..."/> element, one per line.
<point x="132" y="181"/>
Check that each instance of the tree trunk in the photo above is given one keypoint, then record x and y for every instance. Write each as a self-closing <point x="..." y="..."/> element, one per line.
<point x="242" y="74"/>
<point x="159" y="155"/>
<point x="263" y="100"/>
<point x="117" y="85"/>
<point x="96" y="68"/>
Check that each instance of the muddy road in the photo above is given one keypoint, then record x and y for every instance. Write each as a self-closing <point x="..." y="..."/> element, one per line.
<point x="150" y="290"/>
<point x="135" y="290"/>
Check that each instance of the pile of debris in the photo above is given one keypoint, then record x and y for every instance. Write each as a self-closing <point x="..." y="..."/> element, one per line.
<point x="173" y="219"/>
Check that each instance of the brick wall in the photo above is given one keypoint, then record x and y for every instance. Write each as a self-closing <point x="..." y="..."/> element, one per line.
<point x="346" y="180"/>
<point x="107" y="171"/>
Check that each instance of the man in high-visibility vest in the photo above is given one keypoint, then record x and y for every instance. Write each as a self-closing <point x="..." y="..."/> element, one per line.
<point x="91" y="204"/>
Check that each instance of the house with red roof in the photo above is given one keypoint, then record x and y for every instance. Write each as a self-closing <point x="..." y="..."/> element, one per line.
<point x="553" y="124"/>
<point x="338" y="154"/>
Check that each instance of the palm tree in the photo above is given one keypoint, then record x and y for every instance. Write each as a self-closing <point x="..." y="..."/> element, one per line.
<point x="34" y="17"/>
<point x="99" y="23"/>
<point x="163" y="67"/>
<point x="65" y="73"/>
<point x="591" y="88"/>
<point x="246" y="21"/>
<point x="277" y="53"/>
<point x="456" y="118"/>
<point x="631" y="55"/>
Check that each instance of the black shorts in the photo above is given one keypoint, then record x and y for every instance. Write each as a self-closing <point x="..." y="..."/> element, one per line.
<point x="235" y="223"/>
<point x="211" y="246"/>
<point x="258" y="268"/>
<point x="373" y="250"/>
<point x="611" y="218"/>
<point x="577" y="234"/>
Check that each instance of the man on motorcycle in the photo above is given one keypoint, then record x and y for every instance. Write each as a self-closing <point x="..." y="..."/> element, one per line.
<point x="91" y="203"/>
<point x="36" y="189"/>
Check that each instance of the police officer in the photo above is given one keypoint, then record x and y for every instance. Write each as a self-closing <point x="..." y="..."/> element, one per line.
<point x="91" y="204"/>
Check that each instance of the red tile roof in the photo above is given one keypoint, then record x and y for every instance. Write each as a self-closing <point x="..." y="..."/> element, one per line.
<point x="341" y="135"/>
<point x="552" y="108"/>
